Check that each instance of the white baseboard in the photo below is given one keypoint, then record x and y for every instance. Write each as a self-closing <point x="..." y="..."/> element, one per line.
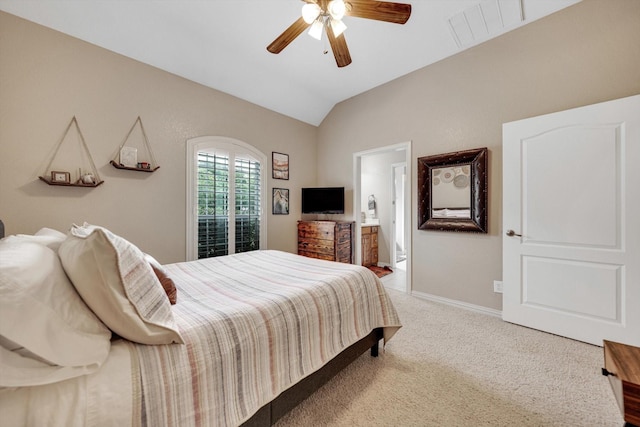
<point x="459" y="304"/>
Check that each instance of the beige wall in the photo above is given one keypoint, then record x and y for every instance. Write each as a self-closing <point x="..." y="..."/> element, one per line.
<point x="582" y="55"/>
<point x="46" y="78"/>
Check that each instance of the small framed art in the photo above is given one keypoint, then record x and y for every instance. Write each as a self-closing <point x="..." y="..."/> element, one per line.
<point x="280" y="201"/>
<point x="129" y="157"/>
<point x="61" y="177"/>
<point x="280" y="165"/>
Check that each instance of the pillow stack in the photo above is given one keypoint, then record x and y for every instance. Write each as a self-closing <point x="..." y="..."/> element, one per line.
<point x="62" y="296"/>
<point x="47" y="332"/>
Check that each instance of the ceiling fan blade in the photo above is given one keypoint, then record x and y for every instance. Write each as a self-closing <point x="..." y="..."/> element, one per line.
<point x="397" y="13"/>
<point x="288" y="36"/>
<point x="339" y="48"/>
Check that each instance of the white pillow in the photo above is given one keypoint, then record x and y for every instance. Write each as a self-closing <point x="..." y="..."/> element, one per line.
<point x="114" y="279"/>
<point x="45" y="231"/>
<point x="43" y="318"/>
<point x="45" y="236"/>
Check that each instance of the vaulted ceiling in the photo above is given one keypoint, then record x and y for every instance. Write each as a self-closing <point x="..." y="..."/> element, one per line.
<point x="222" y="43"/>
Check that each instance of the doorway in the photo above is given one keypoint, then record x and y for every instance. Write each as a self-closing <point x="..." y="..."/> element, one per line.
<point x="392" y="207"/>
<point x="570" y="210"/>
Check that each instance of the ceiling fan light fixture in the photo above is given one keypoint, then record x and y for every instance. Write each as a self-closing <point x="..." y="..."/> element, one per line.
<point x="310" y="12"/>
<point x="316" y="28"/>
<point x="338" y="27"/>
<point x="319" y="15"/>
<point x="336" y="9"/>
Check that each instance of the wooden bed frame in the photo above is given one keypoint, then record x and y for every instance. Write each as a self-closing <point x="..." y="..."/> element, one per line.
<point x="291" y="397"/>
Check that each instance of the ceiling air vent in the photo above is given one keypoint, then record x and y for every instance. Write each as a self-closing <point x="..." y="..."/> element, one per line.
<point x="485" y="19"/>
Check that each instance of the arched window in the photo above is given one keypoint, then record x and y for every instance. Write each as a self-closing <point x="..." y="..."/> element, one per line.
<point x="226" y="196"/>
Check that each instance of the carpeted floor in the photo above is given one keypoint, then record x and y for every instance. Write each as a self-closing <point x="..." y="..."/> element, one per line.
<point x="453" y="367"/>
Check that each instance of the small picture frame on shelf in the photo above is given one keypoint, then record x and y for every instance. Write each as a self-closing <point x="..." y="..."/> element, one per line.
<point x="280" y="165"/>
<point x="61" y="177"/>
<point x="280" y="201"/>
<point x="129" y="157"/>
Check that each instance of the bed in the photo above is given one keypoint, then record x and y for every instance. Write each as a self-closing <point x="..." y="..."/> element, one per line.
<point x="248" y="337"/>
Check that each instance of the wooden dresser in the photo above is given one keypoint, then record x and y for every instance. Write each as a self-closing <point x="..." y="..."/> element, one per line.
<point x="330" y="240"/>
<point x="369" y="245"/>
<point x="622" y="366"/>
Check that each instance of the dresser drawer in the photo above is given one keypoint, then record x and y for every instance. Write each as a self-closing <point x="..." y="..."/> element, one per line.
<point x="316" y="245"/>
<point x="317" y="230"/>
<point x="308" y="254"/>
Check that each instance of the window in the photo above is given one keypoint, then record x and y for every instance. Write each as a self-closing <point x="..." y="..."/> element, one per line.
<point x="225" y="197"/>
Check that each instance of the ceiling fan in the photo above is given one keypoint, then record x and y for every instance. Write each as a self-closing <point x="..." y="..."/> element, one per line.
<point x="327" y="15"/>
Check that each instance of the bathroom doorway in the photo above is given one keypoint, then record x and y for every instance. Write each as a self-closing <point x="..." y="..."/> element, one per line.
<point x="391" y="213"/>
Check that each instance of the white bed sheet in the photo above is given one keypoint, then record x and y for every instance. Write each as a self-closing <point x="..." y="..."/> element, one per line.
<point x="99" y="399"/>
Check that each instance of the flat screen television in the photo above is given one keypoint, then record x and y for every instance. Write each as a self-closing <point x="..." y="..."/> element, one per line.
<point x="323" y="200"/>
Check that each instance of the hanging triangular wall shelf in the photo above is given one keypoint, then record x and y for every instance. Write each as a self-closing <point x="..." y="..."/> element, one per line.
<point x="59" y="173"/>
<point x="127" y="157"/>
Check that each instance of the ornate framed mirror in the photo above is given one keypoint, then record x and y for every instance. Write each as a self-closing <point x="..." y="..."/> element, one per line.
<point x="452" y="191"/>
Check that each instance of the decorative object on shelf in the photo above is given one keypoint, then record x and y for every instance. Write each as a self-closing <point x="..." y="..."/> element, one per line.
<point x="280" y="165"/>
<point x="63" y="177"/>
<point x="452" y="191"/>
<point x="280" y="201"/>
<point x="127" y="157"/>
<point x="88" y="178"/>
<point x="84" y="178"/>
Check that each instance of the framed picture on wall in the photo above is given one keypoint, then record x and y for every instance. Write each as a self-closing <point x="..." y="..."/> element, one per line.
<point x="280" y="201"/>
<point x="280" y="165"/>
<point x="61" y="177"/>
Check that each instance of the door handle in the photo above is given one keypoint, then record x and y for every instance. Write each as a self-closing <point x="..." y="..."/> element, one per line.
<point x="512" y="233"/>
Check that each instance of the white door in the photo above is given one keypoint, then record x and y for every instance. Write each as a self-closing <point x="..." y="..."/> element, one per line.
<point x="398" y="178"/>
<point x="571" y="222"/>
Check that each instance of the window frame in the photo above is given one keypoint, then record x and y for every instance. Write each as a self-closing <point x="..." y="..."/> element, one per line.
<point x="234" y="147"/>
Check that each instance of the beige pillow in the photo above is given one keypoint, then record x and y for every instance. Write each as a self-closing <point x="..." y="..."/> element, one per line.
<point x="47" y="332"/>
<point x="114" y="279"/>
<point x="167" y="282"/>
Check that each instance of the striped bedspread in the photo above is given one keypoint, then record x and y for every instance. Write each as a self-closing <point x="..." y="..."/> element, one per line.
<point x="254" y="324"/>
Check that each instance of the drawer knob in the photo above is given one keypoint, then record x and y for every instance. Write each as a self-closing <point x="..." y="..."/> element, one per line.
<point x="606" y="373"/>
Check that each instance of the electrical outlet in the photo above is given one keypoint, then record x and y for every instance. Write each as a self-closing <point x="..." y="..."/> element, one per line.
<point x="497" y="286"/>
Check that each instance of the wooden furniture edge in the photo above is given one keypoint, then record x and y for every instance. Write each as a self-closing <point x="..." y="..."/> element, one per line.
<point x="622" y="367"/>
<point x="294" y="395"/>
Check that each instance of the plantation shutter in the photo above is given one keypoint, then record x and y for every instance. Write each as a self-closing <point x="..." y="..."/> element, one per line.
<point x="219" y="188"/>
<point x="247" y="189"/>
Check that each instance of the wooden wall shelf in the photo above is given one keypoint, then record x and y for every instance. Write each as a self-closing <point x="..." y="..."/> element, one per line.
<point x="69" y="184"/>
<point x="119" y="163"/>
<point x="119" y="166"/>
<point x="67" y="181"/>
